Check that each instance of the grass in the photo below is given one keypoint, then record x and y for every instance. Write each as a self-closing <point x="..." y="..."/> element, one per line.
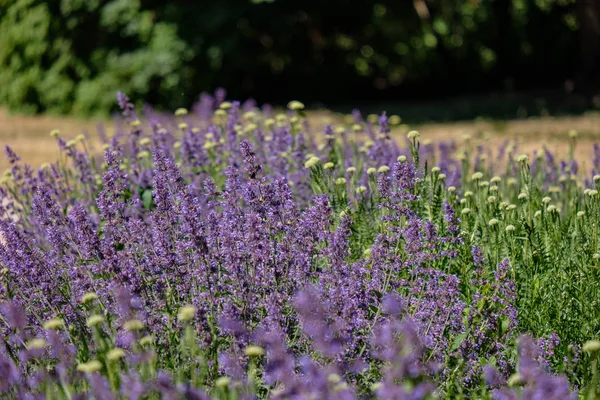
<point x="29" y="135"/>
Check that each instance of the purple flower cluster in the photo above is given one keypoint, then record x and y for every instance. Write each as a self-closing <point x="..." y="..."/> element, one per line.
<point x="341" y="261"/>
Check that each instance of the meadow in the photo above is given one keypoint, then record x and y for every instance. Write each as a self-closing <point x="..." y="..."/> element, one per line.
<point x="232" y="251"/>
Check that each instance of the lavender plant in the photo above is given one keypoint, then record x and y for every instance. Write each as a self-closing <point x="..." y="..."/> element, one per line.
<point x="232" y="252"/>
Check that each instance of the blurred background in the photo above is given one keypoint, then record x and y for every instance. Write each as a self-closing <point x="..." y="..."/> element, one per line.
<point x="429" y="61"/>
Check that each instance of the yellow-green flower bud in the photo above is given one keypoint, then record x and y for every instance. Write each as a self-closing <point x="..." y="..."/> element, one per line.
<point x="401" y="158"/>
<point x="477" y="176"/>
<point x="591" y="346"/>
<point x="147" y="340"/>
<point x="222" y="382"/>
<point x="516" y="380"/>
<point x="54" y="324"/>
<point x="371" y="171"/>
<point x="351" y="170"/>
<point x="36" y="344"/>
<point x="89" y="296"/>
<point x="493" y="222"/>
<point x="133" y="325"/>
<point x="186" y="313"/>
<point x="115" y="354"/>
<point x="94" y="320"/>
<point x="509" y="228"/>
<point x="395" y="120"/>
<point x="90" y="367"/>
<point x="413" y="134"/>
<point x="295" y="105"/>
<point x="181" y="111"/>
<point x="254" y="351"/>
<point x="465" y="211"/>
<point x="340" y="181"/>
<point x="383" y="169"/>
<point x="328" y="165"/>
<point x="522" y="158"/>
<point x="312" y="162"/>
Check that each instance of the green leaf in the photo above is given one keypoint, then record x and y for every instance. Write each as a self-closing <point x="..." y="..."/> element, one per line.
<point x="147" y="198"/>
<point x="458" y="339"/>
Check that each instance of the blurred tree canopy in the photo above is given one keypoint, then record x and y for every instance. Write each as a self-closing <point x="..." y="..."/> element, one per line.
<point x="71" y="56"/>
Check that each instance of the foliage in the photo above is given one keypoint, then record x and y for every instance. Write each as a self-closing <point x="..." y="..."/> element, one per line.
<point x="70" y="56"/>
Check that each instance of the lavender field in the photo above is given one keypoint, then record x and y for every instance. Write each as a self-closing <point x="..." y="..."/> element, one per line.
<point x="235" y="252"/>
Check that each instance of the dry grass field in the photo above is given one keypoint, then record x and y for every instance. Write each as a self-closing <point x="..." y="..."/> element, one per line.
<point x="29" y="135"/>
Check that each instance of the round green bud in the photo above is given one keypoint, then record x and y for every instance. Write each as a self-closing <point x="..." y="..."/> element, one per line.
<point x="516" y="380"/>
<point x="94" y="320"/>
<point x="88" y="297"/>
<point x="328" y="165"/>
<point x="186" y="313"/>
<point x="181" y="111"/>
<point x="361" y="189"/>
<point x="340" y="181"/>
<point x="254" y="351"/>
<point x="383" y="169"/>
<point x="580" y="214"/>
<point x="509" y="228"/>
<point x="465" y="211"/>
<point x="37" y="343"/>
<point x="90" y="367"/>
<point x="222" y="382"/>
<point x="133" y="325"/>
<point x="435" y="170"/>
<point x="401" y="158"/>
<point x="371" y="171"/>
<point x="295" y="105"/>
<point x="115" y="354"/>
<point x="313" y="161"/>
<point x="147" y="340"/>
<point x="493" y="222"/>
<point x="522" y="158"/>
<point x="591" y="346"/>
<point x="476" y="176"/>
<point x="54" y="324"/>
